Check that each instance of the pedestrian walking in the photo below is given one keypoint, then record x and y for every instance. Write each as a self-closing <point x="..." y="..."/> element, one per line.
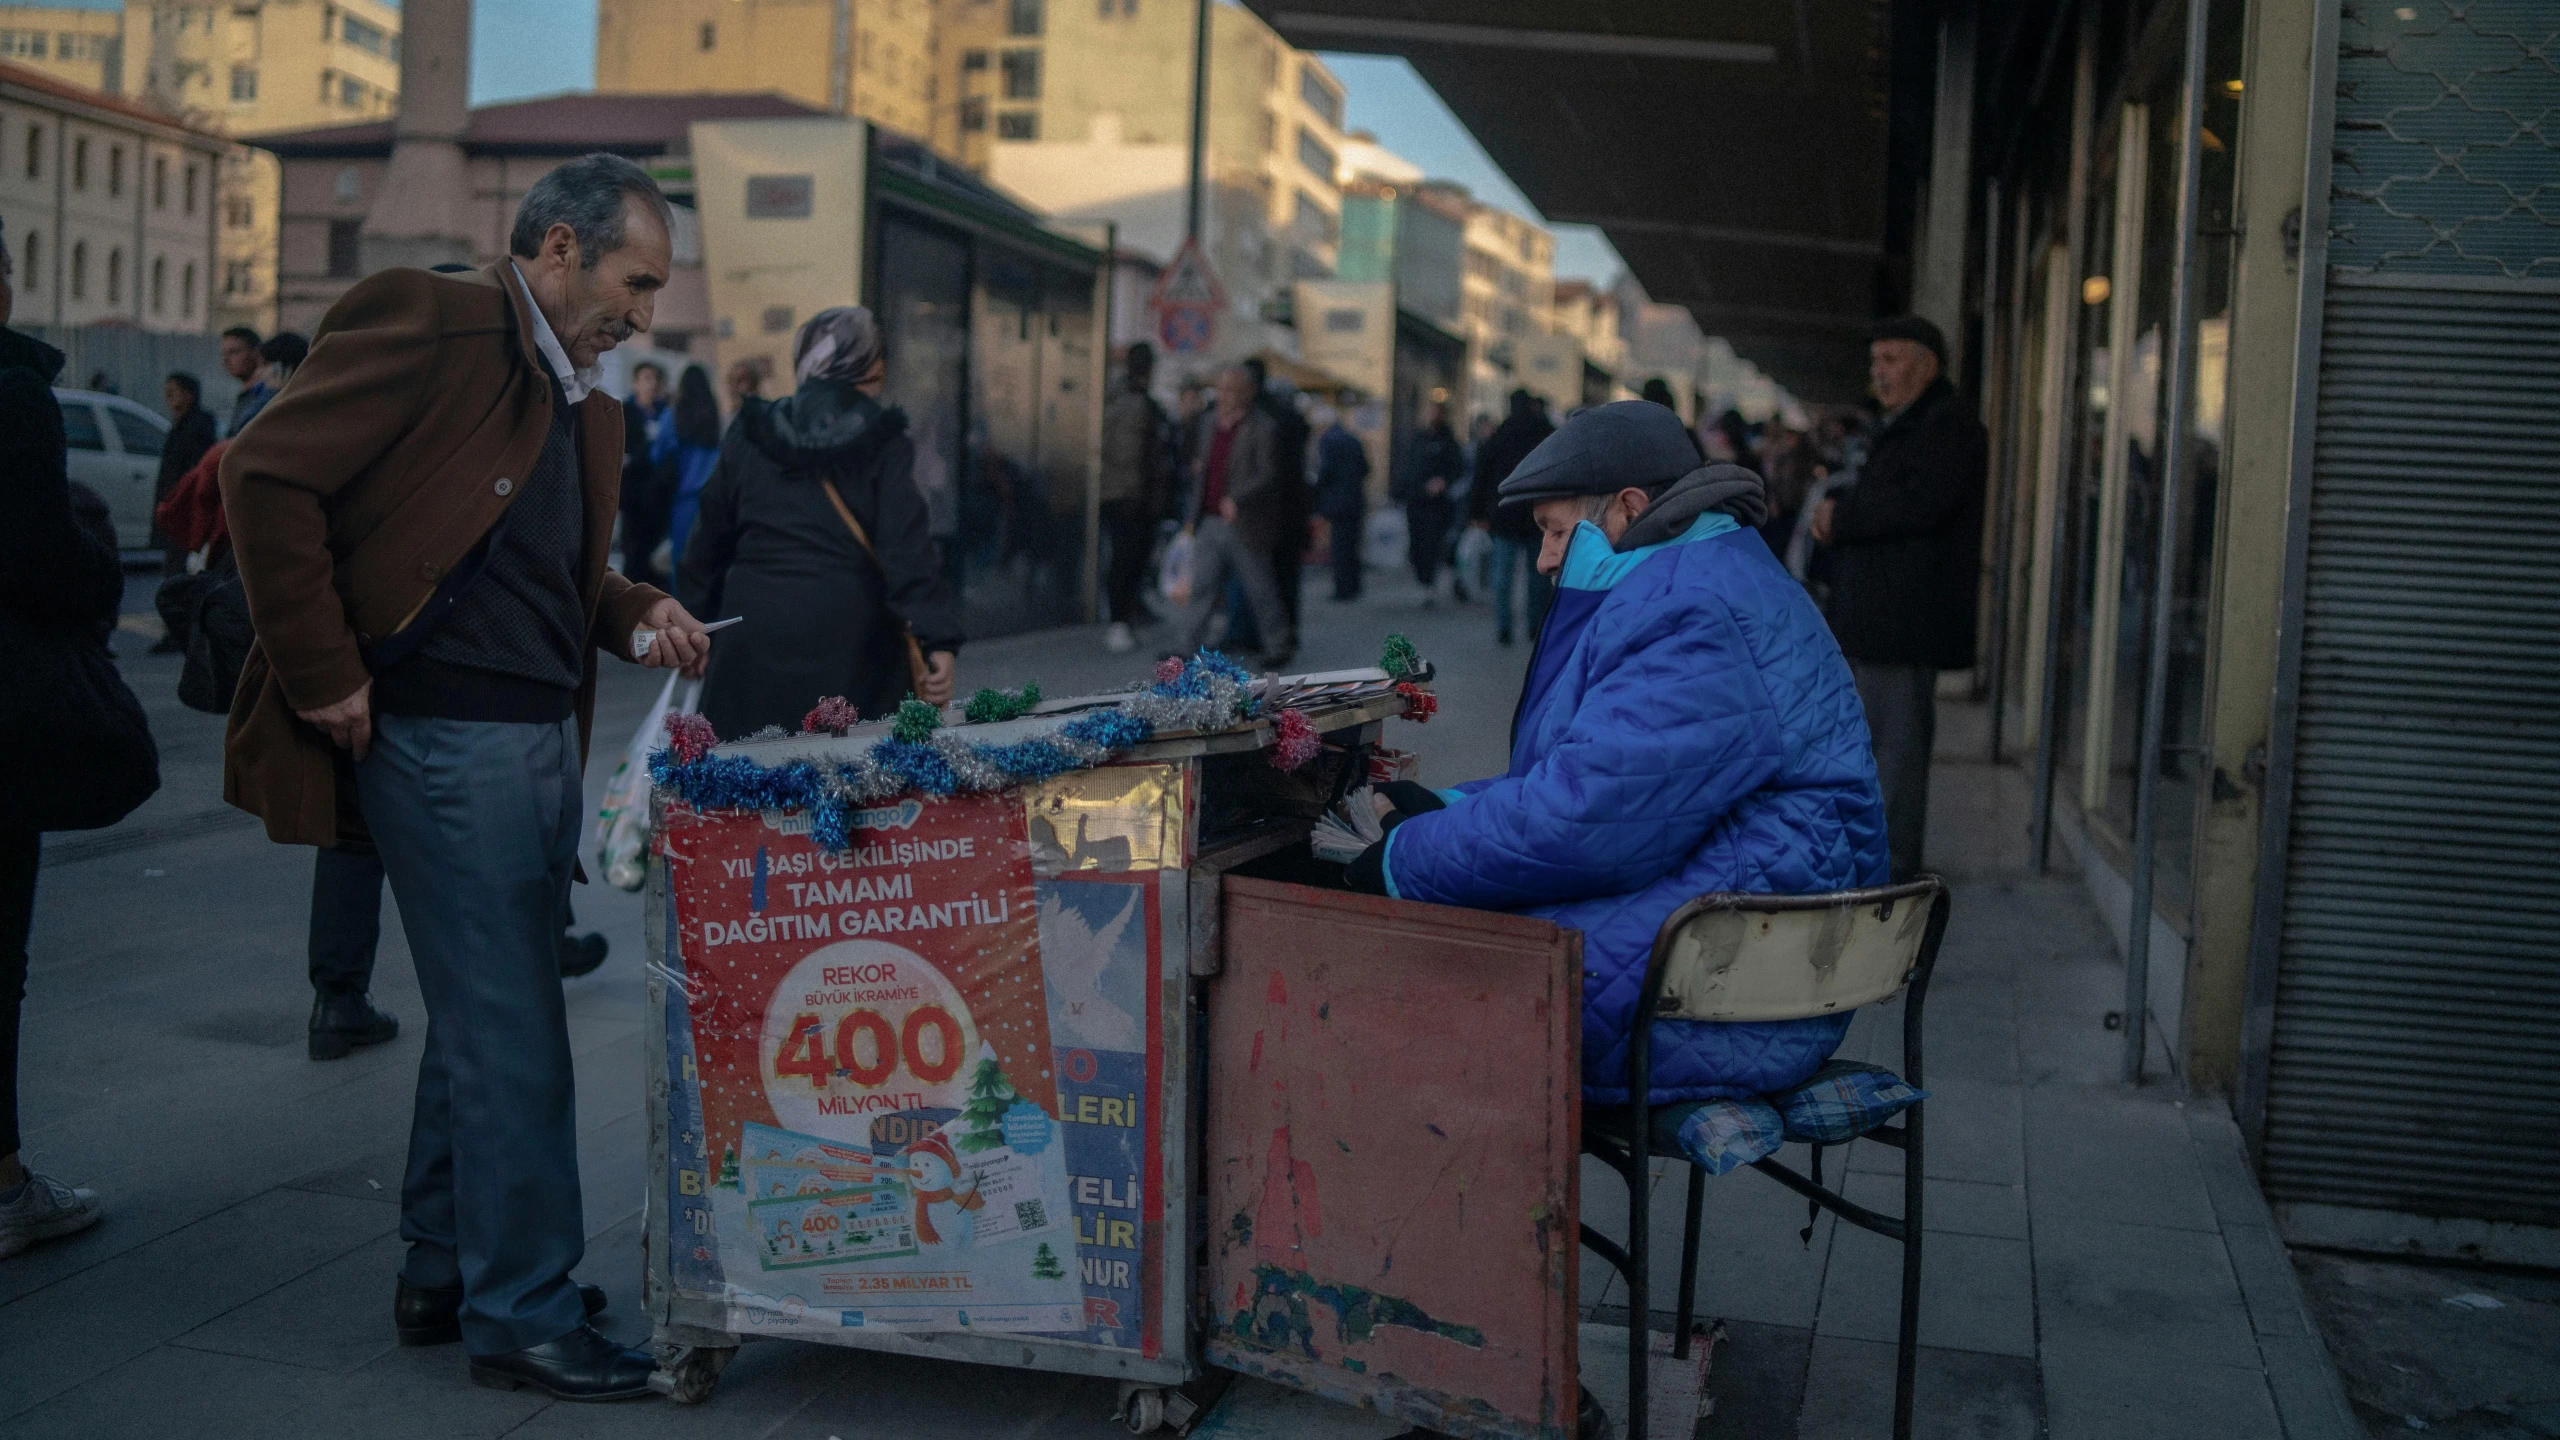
<point x="812" y="528"/>
<point x="694" y="424"/>
<point x="1433" y="462"/>
<point x="1236" y="513"/>
<point x="1342" y="497"/>
<point x="242" y="362"/>
<point x="1906" y="548"/>
<point x="1295" y="498"/>
<point x="424" y="675"/>
<point x="1133" y="485"/>
<point x="647" y="438"/>
<point x="80" y="752"/>
<point x="191" y="434"/>
<point x="1511" y="528"/>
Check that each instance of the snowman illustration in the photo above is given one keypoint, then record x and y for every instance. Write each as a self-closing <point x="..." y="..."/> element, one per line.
<point x="942" y="1188"/>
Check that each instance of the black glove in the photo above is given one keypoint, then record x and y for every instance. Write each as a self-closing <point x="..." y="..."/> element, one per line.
<point x="1368" y="873"/>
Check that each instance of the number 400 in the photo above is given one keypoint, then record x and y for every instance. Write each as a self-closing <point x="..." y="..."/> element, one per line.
<point x="804" y="1050"/>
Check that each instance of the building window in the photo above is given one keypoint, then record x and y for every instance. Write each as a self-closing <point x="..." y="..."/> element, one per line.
<point x="1314" y="154"/>
<point x="187" y="292"/>
<point x="328" y="23"/>
<point x="1018" y="125"/>
<point x="115" y="276"/>
<point x="191" y="189"/>
<point x="1270" y="131"/>
<point x="345" y="249"/>
<point x="1022" y="74"/>
<point x="1024" y="18"/>
<point x="973" y="59"/>
<point x="327" y="78"/>
<point x="973" y="114"/>
<point x="236" y="278"/>
<point x="79" y="269"/>
<point x="160" y="285"/>
<point x="237" y="213"/>
<point x="1125" y="9"/>
<point x="1314" y="222"/>
<point x="351" y="92"/>
<point x="709" y="38"/>
<point x="33" y="249"/>
<point x="244" y="84"/>
<point x="115" y="170"/>
<point x="80" y="163"/>
<point x="363" y="35"/>
<point x="159" y="182"/>
<point x="1320" y="97"/>
<point x="22" y="44"/>
<point x="35" y="152"/>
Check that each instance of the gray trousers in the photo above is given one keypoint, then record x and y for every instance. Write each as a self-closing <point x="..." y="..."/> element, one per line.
<point x="1216" y="553"/>
<point x="478" y="828"/>
<point x="1902" y="716"/>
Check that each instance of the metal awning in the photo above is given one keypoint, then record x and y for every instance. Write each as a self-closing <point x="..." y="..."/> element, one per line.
<point x="1735" y="155"/>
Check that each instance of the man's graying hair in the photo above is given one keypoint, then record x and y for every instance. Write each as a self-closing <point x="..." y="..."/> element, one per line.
<point x="586" y="195"/>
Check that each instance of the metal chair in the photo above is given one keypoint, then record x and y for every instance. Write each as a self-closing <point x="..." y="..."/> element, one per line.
<point x="1775" y="957"/>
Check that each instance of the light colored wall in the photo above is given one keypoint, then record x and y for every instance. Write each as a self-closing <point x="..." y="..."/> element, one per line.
<point x="891" y="74"/>
<point x="123" y="229"/>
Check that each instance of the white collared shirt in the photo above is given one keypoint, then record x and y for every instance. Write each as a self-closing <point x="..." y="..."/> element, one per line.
<point x="574" y="382"/>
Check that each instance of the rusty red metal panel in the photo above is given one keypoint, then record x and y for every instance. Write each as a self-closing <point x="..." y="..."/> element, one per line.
<point x="1391" y="1156"/>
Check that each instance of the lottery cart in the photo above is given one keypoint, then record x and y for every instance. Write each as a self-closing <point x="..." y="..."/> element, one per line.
<point x="932" y="1092"/>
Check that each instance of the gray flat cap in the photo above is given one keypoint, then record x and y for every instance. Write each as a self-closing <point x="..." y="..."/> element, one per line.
<point x="1605" y="449"/>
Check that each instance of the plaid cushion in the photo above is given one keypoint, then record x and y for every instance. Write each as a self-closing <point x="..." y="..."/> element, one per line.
<point x="1723" y="1135"/>
<point x="1842" y="1101"/>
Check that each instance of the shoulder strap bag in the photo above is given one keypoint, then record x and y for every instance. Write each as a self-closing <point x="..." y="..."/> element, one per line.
<point x="917" y="670"/>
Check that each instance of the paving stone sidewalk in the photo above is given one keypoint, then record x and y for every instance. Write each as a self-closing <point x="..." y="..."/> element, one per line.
<point x="2099" y="1261"/>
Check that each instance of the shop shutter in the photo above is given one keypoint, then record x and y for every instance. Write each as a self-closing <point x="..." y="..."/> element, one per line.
<point x="2416" y="1057"/>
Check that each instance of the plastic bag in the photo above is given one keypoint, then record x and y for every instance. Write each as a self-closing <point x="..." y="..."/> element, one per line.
<point x="1174" y="576"/>
<point x="622" y="822"/>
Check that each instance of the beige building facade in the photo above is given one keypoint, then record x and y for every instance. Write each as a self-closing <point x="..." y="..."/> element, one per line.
<point x="110" y="207"/>
<point x="243" y="68"/>
<point x="874" y="59"/>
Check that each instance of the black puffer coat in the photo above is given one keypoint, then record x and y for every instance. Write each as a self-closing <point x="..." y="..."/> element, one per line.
<point x="1906" y="540"/>
<point x="821" y="616"/>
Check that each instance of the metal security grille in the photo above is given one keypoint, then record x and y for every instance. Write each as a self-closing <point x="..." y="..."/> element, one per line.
<point x="2415" y="1062"/>
<point x="2448" y="144"/>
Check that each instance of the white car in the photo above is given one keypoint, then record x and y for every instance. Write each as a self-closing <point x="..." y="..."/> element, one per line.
<point x="115" y="450"/>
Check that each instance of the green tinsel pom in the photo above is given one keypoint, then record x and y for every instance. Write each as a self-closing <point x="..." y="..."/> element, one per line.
<point x="989" y="705"/>
<point x="917" y="721"/>
<point x="1401" y="658"/>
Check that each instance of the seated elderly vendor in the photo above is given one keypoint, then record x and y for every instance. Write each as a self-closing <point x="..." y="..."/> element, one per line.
<point x="1687" y="726"/>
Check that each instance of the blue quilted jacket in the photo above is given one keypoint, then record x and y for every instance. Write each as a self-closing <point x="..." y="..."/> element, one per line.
<point x="1688" y="726"/>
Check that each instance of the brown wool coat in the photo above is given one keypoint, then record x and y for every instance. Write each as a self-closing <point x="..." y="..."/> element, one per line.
<point x="364" y="483"/>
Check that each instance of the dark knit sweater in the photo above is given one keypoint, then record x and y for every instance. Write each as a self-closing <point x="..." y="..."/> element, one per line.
<point x="514" y="646"/>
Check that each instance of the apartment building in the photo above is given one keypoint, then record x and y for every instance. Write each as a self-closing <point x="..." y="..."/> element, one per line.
<point x="1084" y="110"/>
<point x="876" y="59"/>
<point x="243" y="68"/>
<point x="110" y="206"/>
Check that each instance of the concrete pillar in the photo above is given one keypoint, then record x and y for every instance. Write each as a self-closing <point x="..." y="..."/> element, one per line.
<point x="1938" y="274"/>
<point x="417" y="214"/>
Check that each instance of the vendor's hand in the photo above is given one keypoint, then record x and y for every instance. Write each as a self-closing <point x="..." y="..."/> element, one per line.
<point x="349" y="723"/>
<point x="941" y="676"/>
<point x="680" y="645"/>
<point x="1227" y="509"/>
<point x="1822" y="521"/>
<point x="1384" y="806"/>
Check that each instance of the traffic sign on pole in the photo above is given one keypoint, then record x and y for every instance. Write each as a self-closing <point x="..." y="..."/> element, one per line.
<point x="1186" y="302"/>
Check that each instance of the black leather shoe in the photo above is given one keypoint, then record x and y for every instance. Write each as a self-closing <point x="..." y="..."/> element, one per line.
<point x="433" y="1317"/>
<point x="340" y="1023"/>
<point x="581" y="1365"/>
<point x="581" y="954"/>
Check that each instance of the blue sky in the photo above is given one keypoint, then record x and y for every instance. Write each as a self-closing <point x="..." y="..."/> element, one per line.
<point x="541" y="47"/>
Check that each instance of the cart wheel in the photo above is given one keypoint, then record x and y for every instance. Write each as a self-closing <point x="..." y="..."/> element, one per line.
<point x="687" y="1376"/>
<point x="1144" y="1413"/>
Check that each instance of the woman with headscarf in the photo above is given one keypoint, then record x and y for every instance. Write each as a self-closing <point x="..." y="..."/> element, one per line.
<point x="696" y="450"/>
<point x="812" y="530"/>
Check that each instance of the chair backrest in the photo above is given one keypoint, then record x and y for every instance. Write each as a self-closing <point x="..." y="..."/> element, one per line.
<point x="1785" y="957"/>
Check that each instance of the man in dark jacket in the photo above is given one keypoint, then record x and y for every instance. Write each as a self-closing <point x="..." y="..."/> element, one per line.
<point x="1906" y="552"/>
<point x="648" y="431"/>
<point x="1133" y="483"/>
<point x="1236" y="514"/>
<point x="191" y="433"/>
<point x="1515" y="534"/>
<point x="1290" y="434"/>
<point x="1433" y="462"/>
<point x="1342" y="498"/>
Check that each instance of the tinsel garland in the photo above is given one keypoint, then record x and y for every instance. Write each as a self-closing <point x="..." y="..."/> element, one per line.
<point x="917" y="720"/>
<point x="832" y="716"/>
<point x="1209" y="692"/>
<point x="1419" y="704"/>
<point x="991" y="705"/>
<point x="1400" y="658"/>
<point x="1294" y="740"/>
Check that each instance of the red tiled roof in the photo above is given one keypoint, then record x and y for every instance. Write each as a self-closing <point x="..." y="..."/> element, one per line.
<point x="37" y="80"/>
<point x="632" y="124"/>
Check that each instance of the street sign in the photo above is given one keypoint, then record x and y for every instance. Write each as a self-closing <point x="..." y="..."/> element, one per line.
<point x="1186" y="302"/>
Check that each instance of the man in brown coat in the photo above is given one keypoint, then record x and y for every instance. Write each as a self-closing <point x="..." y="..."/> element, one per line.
<point x="421" y="520"/>
<point x="1239" y="510"/>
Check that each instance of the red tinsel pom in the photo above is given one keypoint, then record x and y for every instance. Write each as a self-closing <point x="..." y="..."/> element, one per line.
<point x="1168" y="669"/>
<point x="831" y="717"/>
<point x="1419" y="704"/>
<point x="690" y="737"/>
<point x="1294" y="742"/>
